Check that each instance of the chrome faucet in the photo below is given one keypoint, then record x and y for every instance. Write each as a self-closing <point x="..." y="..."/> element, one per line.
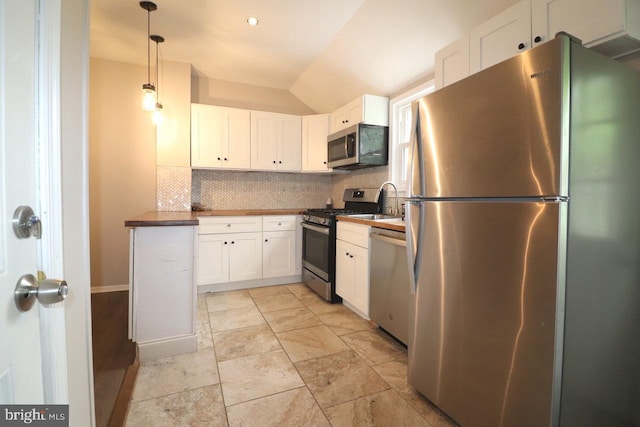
<point x="396" y="211"/>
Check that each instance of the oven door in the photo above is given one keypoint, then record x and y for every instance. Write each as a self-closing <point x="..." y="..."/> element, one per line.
<point x="315" y="249"/>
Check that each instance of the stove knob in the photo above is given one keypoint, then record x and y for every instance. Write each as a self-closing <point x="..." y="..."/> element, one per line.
<point x="305" y="217"/>
<point x="325" y="221"/>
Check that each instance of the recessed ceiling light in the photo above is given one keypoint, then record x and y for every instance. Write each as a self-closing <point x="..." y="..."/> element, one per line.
<point x="252" y="21"/>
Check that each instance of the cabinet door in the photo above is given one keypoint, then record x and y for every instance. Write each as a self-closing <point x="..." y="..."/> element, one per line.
<point x="355" y="112"/>
<point x="452" y="62"/>
<point x="345" y="270"/>
<point x="237" y="150"/>
<point x="213" y="258"/>
<point x="314" y="143"/>
<point x="501" y="37"/>
<point x="245" y="257"/>
<point x="338" y="119"/>
<point x="278" y="254"/>
<point x="265" y="129"/>
<point x="289" y="143"/>
<point x="360" y="298"/>
<point x="592" y="21"/>
<point x="207" y="135"/>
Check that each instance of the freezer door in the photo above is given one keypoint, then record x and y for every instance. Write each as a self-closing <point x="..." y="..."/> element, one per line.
<point x="483" y="322"/>
<point x="498" y="133"/>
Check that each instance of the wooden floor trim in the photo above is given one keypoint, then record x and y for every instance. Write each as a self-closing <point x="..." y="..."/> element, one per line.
<point x="121" y="407"/>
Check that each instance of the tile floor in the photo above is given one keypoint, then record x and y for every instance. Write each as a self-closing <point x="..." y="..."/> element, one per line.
<point x="281" y="356"/>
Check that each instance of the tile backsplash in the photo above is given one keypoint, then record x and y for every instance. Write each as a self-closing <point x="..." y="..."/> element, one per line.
<point x="173" y="188"/>
<point x="178" y="187"/>
<point x="359" y="178"/>
<point x="259" y="190"/>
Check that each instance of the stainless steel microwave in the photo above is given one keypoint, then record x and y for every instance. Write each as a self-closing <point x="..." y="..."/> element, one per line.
<point x="358" y="146"/>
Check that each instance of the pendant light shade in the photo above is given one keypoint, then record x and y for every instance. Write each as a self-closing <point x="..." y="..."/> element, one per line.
<point x="149" y="98"/>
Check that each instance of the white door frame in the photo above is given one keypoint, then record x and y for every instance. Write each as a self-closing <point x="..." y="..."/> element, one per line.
<point x="67" y="247"/>
<point x="52" y="319"/>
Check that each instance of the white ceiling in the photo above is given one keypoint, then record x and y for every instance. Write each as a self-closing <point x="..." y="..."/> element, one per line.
<point x="325" y="52"/>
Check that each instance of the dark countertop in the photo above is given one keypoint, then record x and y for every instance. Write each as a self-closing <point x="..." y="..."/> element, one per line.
<point x="165" y="218"/>
<point x="396" y="225"/>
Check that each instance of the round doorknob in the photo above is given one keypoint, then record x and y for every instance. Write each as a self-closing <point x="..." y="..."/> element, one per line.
<point x="49" y="291"/>
<point x="52" y="291"/>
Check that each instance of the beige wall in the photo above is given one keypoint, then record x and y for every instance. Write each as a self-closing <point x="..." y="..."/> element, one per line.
<point x="250" y="97"/>
<point x="174" y="133"/>
<point x="122" y="165"/>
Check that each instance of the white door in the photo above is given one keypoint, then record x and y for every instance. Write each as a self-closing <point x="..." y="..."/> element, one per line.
<point x="32" y="363"/>
<point x="20" y="332"/>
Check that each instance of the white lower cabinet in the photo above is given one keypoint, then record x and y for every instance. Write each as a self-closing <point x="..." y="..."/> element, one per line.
<point x="226" y="258"/>
<point x="254" y="250"/>
<point x="278" y="253"/>
<point x="281" y="253"/>
<point x="245" y="257"/>
<point x="162" y="298"/>
<point x="352" y="266"/>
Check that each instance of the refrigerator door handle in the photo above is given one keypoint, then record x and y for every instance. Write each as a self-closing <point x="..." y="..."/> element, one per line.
<point x="414" y="243"/>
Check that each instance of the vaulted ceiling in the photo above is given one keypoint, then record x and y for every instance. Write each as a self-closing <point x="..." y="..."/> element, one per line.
<point x="325" y="52"/>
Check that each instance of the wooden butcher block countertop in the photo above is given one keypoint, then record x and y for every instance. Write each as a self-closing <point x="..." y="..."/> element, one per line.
<point x="166" y="218"/>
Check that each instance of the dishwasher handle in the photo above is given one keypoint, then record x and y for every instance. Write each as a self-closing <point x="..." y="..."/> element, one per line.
<point x="391" y="240"/>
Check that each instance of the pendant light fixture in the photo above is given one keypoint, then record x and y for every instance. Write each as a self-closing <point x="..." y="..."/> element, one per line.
<point x="157" y="113"/>
<point x="148" y="89"/>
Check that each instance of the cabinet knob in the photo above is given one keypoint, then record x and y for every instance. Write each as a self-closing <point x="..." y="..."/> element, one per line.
<point x="228" y="225"/>
<point x="279" y="223"/>
<point x="346" y="253"/>
<point x="233" y="242"/>
<point x="219" y="158"/>
<point x="274" y="161"/>
<point x="538" y="39"/>
<point x="521" y="46"/>
<point x="225" y="159"/>
<point x="279" y="161"/>
<point x="324" y="163"/>
<point x="225" y="243"/>
<point x="266" y="240"/>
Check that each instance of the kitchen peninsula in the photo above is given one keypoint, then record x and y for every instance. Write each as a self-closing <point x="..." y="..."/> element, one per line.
<point x="166" y="273"/>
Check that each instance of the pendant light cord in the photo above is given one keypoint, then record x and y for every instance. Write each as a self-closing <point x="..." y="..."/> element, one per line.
<point x="157" y="81"/>
<point x="148" y="46"/>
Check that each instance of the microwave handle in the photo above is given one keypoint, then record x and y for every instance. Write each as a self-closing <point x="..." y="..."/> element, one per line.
<point x="346" y="146"/>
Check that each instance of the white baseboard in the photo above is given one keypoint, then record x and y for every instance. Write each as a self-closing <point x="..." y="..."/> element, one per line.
<point x="114" y="288"/>
<point x="159" y="349"/>
<point x="249" y="284"/>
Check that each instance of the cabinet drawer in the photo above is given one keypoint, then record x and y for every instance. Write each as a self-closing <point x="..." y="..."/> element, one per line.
<point x="356" y="234"/>
<point x="229" y="224"/>
<point x="279" y="223"/>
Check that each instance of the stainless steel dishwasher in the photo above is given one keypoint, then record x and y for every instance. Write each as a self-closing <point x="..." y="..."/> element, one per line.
<point x="389" y="282"/>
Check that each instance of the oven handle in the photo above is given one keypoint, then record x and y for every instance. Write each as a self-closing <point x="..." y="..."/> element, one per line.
<point x="323" y="230"/>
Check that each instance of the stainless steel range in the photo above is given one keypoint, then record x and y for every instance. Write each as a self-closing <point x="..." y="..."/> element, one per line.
<point x="319" y="239"/>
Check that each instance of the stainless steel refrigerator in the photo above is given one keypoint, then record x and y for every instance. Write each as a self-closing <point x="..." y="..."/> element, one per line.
<point x="523" y="239"/>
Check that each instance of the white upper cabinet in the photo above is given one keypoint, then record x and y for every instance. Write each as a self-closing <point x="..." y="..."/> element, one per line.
<point x="276" y="141"/>
<point x="315" y="130"/>
<point x="501" y="37"/>
<point x="452" y="62"/>
<point x="370" y="109"/>
<point x="220" y="137"/>
<point x="611" y="27"/>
